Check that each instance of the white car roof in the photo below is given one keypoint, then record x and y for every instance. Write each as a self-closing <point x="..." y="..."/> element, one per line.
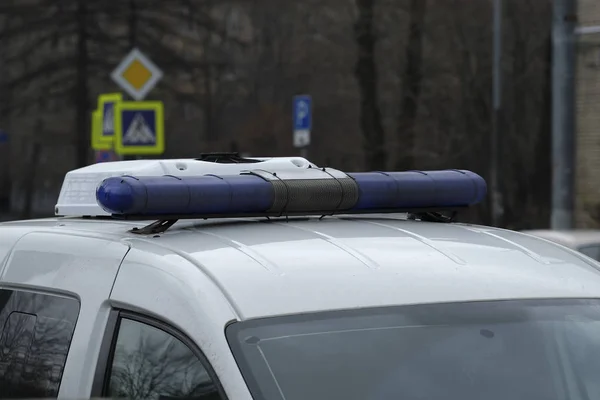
<point x="570" y="238"/>
<point x="306" y="265"/>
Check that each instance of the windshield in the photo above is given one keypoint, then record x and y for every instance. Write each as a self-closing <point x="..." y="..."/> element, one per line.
<point x="592" y="251"/>
<point x="505" y="350"/>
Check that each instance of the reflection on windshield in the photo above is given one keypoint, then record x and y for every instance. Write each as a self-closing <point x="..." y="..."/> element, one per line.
<point x="490" y="350"/>
<point x="592" y="251"/>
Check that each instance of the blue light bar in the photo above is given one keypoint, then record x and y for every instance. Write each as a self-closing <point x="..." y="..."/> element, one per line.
<point x="251" y="194"/>
<point x="164" y="195"/>
<point x="418" y="189"/>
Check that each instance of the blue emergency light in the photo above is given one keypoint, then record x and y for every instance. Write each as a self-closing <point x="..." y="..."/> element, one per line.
<point x="260" y="193"/>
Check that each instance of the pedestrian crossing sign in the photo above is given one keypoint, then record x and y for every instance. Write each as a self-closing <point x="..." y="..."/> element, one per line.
<point x="139" y="128"/>
<point x="106" y="107"/>
<point x="98" y="142"/>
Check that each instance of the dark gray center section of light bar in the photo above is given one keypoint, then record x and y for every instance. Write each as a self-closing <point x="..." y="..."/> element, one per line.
<point x="314" y="195"/>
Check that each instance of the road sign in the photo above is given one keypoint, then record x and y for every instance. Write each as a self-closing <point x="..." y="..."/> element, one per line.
<point x="139" y="128"/>
<point x="3" y="136"/>
<point x="106" y="156"/>
<point x="106" y="106"/>
<point x="98" y="142"/>
<point x="302" y="116"/>
<point x="137" y="75"/>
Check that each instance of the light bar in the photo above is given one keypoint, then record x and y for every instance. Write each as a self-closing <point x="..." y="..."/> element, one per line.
<point x="419" y="189"/>
<point x="307" y="192"/>
<point x="78" y="193"/>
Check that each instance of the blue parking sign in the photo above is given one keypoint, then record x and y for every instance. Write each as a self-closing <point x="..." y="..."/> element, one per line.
<point x="302" y="116"/>
<point x="302" y="113"/>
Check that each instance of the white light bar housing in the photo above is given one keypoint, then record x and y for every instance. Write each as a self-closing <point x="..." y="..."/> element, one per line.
<point x="78" y="193"/>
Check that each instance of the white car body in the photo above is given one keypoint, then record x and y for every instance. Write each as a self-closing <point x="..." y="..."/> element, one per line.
<point x="249" y="269"/>
<point x="199" y="276"/>
<point x="586" y="241"/>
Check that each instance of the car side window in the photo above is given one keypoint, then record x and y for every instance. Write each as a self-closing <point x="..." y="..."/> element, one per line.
<point x="35" y="336"/>
<point x="149" y="363"/>
<point x="592" y="251"/>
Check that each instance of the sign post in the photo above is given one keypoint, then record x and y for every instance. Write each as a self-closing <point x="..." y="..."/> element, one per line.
<point x="302" y="116"/>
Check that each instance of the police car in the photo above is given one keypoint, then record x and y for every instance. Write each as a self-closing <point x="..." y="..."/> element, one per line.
<point x="277" y="279"/>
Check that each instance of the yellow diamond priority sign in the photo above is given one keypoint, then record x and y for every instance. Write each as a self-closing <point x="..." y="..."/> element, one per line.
<point x="137" y="75"/>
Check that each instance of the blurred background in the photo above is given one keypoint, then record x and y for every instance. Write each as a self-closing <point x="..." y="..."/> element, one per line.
<point x="509" y="89"/>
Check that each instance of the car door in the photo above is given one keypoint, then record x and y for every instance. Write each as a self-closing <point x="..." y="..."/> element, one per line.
<point x="165" y="338"/>
<point x="54" y="292"/>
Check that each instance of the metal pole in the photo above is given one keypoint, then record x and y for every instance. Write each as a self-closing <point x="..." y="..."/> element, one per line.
<point x="304" y="152"/>
<point x="563" y="113"/>
<point x="496" y="199"/>
<point x="133" y="26"/>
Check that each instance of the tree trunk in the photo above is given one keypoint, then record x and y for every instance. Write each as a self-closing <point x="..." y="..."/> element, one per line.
<point x="412" y="79"/>
<point x="542" y="184"/>
<point x="29" y="187"/>
<point x="82" y="106"/>
<point x="210" y="133"/>
<point x="132" y="41"/>
<point x="5" y="125"/>
<point x="368" y="80"/>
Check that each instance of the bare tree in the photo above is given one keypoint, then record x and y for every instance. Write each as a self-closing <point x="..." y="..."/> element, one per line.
<point x="50" y="59"/>
<point x="64" y="49"/>
<point x="394" y="82"/>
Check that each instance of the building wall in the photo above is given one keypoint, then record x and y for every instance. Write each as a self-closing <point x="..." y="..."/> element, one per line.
<point x="587" y="185"/>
